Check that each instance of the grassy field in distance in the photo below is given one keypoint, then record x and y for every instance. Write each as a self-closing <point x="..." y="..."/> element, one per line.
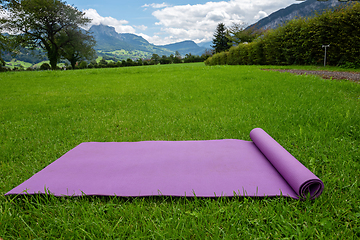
<point x="44" y="114"/>
<point x="16" y="63"/>
<point x="124" y="55"/>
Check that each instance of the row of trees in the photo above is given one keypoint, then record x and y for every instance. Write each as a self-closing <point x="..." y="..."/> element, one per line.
<point x="300" y="41"/>
<point x="51" y="25"/>
<point x="155" y="60"/>
<point x="108" y="62"/>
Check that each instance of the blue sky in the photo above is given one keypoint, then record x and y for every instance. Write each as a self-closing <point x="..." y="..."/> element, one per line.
<point x="164" y="22"/>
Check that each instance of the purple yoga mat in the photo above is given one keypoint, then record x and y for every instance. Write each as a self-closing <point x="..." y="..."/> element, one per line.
<point x="211" y="168"/>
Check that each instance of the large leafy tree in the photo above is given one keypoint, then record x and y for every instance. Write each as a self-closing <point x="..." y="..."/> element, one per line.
<point x="41" y="23"/>
<point x="156" y="58"/>
<point x="79" y="45"/>
<point x="220" y="40"/>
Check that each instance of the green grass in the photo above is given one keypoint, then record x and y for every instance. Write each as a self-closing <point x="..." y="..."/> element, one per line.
<point x="45" y="114"/>
<point x="17" y="63"/>
<point x="25" y="65"/>
<point x="124" y="54"/>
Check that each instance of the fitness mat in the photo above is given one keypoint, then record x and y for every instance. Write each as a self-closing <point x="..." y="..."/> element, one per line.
<point x="210" y="168"/>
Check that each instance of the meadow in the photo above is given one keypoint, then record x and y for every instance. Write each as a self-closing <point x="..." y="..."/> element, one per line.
<point x="44" y="114"/>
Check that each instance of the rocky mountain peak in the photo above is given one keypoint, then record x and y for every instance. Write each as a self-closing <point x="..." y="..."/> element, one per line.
<point x="103" y="30"/>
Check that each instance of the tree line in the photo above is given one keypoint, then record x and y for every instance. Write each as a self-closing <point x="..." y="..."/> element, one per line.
<point x="154" y="60"/>
<point x="111" y="62"/>
<point x="300" y="41"/>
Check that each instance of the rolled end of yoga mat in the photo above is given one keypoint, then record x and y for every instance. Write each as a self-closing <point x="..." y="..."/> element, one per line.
<point x="302" y="180"/>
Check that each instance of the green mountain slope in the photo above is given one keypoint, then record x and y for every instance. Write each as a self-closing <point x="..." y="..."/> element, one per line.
<point x="185" y="47"/>
<point x="304" y="9"/>
<point x="110" y="42"/>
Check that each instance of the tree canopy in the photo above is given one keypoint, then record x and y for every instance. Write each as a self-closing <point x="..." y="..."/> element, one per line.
<point x="43" y="23"/>
<point x="79" y="45"/>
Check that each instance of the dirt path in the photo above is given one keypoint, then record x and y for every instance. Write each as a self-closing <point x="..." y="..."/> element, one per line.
<point x="352" y="76"/>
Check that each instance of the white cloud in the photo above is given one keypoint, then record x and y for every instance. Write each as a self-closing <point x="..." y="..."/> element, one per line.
<point x="140" y="27"/>
<point x="260" y="15"/>
<point x="198" y="22"/>
<point x="119" y="25"/>
<point x="155" y="5"/>
<point x="193" y="22"/>
<point x="156" y="39"/>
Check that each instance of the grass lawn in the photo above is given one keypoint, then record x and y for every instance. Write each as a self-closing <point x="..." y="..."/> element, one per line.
<point x="45" y="114"/>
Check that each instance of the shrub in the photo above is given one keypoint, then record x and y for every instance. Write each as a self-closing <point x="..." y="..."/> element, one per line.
<point x="103" y="63"/>
<point x="111" y="65"/>
<point x="152" y="62"/>
<point x="234" y="56"/>
<point x="139" y="62"/>
<point x="177" y="60"/>
<point x="300" y="41"/>
<point x="19" y="67"/>
<point x="83" y="65"/>
<point x="256" y="52"/>
<point x="165" y="60"/>
<point x="45" y="66"/>
<point x="4" y="69"/>
<point x="129" y="63"/>
<point x="209" y="62"/>
<point x="244" y="53"/>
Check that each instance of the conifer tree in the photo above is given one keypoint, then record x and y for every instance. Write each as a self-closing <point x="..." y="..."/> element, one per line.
<point x="220" y="41"/>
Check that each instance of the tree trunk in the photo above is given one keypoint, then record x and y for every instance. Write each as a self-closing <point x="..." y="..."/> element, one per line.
<point x="53" y="56"/>
<point x="53" y="63"/>
<point x="73" y="64"/>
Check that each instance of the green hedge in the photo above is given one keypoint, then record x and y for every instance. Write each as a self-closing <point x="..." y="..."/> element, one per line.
<point x="300" y="42"/>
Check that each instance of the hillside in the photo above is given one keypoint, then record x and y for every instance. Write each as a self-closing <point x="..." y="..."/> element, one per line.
<point x="127" y="45"/>
<point x="185" y="47"/>
<point x="304" y="9"/>
<point x="123" y="45"/>
<point x="113" y="45"/>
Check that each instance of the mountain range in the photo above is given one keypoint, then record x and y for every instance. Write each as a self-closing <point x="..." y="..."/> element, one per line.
<point x="117" y="46"/>
<point x="124" y="45"/>
<point x="128" y="45"/>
